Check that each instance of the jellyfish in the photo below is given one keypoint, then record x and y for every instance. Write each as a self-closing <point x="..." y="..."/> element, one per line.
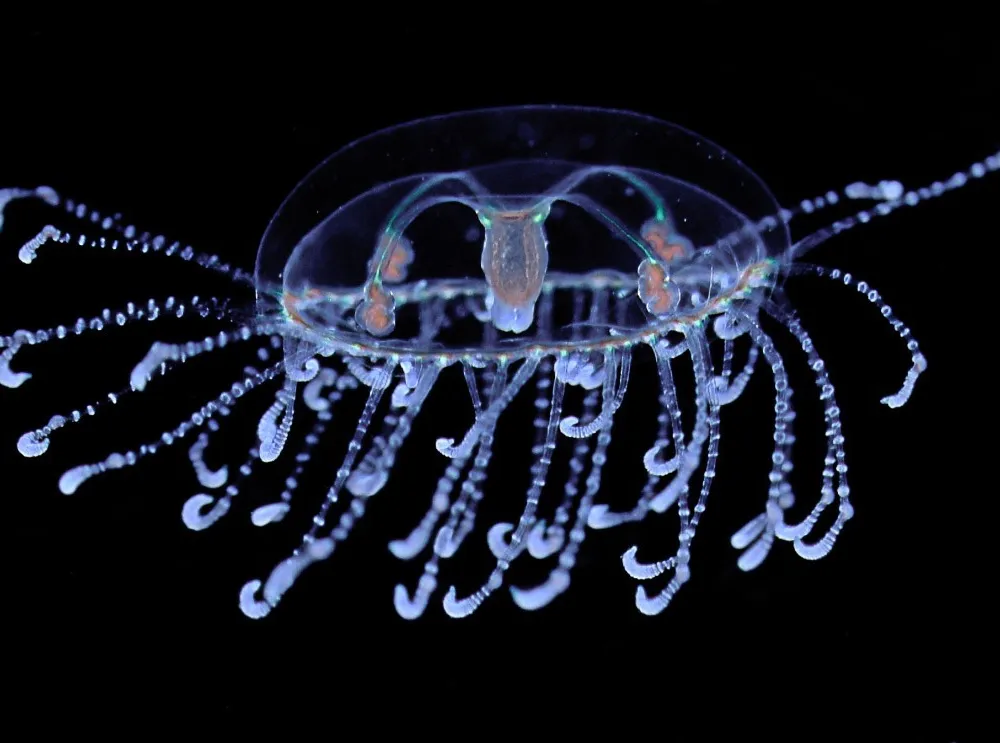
<point x="491" y="252"/>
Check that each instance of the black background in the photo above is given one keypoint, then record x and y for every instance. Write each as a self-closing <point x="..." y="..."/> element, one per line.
<point x="107" y="589"/>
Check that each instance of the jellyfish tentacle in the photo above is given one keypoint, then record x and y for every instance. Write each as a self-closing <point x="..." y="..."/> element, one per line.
<point x="274" y="512"/>
<point x="542" y="594"/>
<point x="491" y="414"/>
<point x="891" y="195"/>
<point x="76" y="476"/>
<point x="670" y="424"/>
<point x="414" y="543"/>
<point x="313" y="550"/>
<point x="322" y="410"/>
<point x="458" y="608"/>
<point x="206" y="476"/>
<point x="698" y="348"/>
<point x="706" y="429"/>
<point x="679" y="562"/>
<point x="371" y="475"/>
<point x="36" y="442"/>
<point x="496" y="537"/>
<point x="834" y="462"/>
<point x="613" y="366"/>
<point x="780" y="495"/>
<point x="917" y="359"/>
<point x="451" y="535"/>
<point x="126" y="236"/>
<point x="130" y="313"/>
<point x="545" y="540"/>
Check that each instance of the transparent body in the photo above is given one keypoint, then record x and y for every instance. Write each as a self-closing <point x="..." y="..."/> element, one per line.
<point x="488" y="251"/>
<point x="504" y="182"/>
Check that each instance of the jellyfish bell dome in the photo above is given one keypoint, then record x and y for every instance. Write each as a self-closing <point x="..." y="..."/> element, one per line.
<point x="475" y="230"/>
